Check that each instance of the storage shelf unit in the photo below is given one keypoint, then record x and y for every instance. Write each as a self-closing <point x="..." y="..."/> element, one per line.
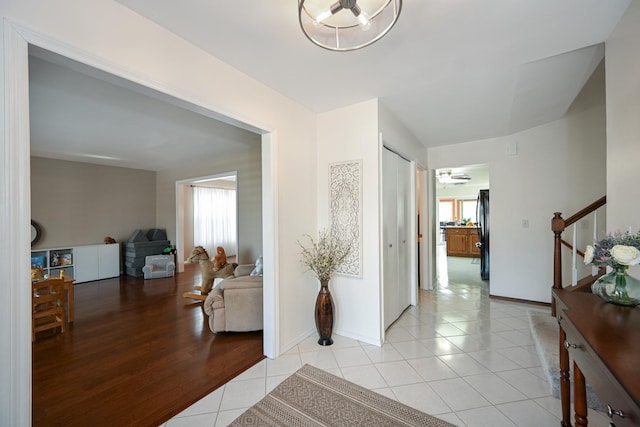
<point x="54" y="260"/>
<point x="83" y="263"/>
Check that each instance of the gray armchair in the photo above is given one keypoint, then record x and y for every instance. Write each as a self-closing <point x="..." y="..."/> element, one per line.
<point x="158" y="266"/>
<point x="235" y="304"/>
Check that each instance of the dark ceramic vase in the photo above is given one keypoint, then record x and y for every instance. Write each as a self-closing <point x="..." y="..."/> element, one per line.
<point x="324" y="314"/>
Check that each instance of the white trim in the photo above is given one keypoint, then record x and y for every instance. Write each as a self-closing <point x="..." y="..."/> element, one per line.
<point x="426" y="266"/>
<point x="179" y="243"/>
<point x="15" y="409"/>
<point x="270" y="256"/>
<point x="413" y="233"/>
<point x="14" y="223"/>
<point x="180" y="215"/>
<point x="380" y="242"/>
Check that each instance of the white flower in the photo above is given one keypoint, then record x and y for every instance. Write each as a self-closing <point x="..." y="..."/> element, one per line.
<point x="588" y="254"/>
<point x="625" y="255"/>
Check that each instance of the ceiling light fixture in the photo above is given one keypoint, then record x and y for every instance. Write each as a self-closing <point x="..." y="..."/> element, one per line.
<point x="449" y="177"/>
<point x="344" y="25"/>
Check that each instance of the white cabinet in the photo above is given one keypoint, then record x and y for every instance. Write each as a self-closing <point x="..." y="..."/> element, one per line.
<point x="95" y="262"/>
<point x="108" y="261"/>
<point x="86" y="263"/>
<point x="83" y="263"/>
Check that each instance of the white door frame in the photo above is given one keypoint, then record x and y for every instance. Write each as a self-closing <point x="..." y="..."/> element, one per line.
<point x="181" y="216"/>
<point x="15" y="214"/>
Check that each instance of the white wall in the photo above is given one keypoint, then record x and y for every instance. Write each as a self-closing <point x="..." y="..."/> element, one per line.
<point x="247" y="164"/>
<point x="623" y="123"/>
<point x="623" y="126"/>
<point x="397" y="137"/>
<point x="74" y="202"/>
<point x="465" y="191"/>
<point x="558" y="167"/>
<point x="357" y="300"/>
<point x="109" y="36"/>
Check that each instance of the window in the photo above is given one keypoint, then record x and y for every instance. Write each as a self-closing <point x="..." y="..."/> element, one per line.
<point x="215" y="219"/>
<point x="446" y="210"/>
<point x="457" y="210"/>
<point x="468" y="209"/>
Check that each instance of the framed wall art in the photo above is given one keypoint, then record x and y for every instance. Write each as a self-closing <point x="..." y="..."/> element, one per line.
<point x="345" y="211"/>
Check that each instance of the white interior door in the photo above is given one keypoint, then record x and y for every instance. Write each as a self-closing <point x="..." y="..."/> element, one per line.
<point x="390" y="236"/>
<point x="404" y="233"/>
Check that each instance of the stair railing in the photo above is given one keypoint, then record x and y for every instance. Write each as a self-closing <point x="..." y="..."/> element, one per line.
<point x="558" y="226"/>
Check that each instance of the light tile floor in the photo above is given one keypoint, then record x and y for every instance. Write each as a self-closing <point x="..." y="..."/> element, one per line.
<point x="458" y="355"/>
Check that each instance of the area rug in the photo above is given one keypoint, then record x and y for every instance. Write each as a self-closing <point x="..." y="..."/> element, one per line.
<point x="545" y="332"/>
<point x="313" y="397"/>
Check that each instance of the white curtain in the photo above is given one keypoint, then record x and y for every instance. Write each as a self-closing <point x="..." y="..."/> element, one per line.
<point x="214" y="219"/>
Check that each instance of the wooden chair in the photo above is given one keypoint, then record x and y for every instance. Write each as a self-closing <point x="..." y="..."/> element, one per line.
<point x="48" y="306"/>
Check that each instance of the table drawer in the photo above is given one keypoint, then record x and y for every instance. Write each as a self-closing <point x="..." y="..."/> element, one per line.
<point x="596" y="374"/>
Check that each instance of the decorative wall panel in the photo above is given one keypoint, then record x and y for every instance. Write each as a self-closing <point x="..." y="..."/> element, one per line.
<point x="345" y="211"/>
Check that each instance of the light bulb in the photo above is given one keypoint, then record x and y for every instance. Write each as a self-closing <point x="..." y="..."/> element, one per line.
<point x="362" y="17"/>
<point x="324" y="15"/>
<point x="335" y="8"/>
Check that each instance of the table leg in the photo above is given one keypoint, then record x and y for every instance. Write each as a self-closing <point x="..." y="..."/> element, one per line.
<point x="579" y="396"/>
<point x="565" y="382"/>
<point x="70" y="298"/>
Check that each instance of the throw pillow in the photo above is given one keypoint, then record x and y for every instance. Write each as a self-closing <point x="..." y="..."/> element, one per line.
<point x="257" y="271"/>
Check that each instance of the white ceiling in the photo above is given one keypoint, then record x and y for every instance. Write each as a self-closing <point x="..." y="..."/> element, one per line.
<point x="80" y="114"/>
<point x="451" y="71"/>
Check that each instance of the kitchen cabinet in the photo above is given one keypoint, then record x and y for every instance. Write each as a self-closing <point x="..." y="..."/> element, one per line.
<point x="461" y="241"/>
<point x="474" y="238"/>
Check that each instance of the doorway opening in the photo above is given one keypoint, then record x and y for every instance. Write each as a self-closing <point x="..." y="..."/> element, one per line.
<point x="200" y="218"/>
<point x="462" y="225"/>
<point x="17" y="197"/>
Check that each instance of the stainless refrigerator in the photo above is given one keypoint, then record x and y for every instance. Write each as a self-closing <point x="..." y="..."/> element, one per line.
<point x="482" y="217"/>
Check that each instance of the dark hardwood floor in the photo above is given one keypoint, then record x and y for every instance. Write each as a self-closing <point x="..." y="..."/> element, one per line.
<point x="136" y="355"/>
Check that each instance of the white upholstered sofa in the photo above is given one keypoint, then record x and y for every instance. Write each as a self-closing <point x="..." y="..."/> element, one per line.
<point x="235" y="303"/>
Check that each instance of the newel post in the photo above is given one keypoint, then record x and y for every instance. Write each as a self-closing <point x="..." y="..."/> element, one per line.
<point x="557" y="226"/>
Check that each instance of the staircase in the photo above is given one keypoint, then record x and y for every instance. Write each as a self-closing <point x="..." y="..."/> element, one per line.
<point x="558" y="226"/>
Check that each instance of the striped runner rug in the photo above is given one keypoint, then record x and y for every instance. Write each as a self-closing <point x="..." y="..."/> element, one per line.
<point x="313" y="397"/>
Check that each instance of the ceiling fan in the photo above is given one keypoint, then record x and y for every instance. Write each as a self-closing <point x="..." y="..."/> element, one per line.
<point x="449" y="177"/>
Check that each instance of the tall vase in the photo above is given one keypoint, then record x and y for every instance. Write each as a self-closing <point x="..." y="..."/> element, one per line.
<point x="324" y="314"/>
<point x="618" y="287"/>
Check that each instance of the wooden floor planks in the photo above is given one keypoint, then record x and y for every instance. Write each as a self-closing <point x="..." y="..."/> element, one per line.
<point x="137" y="354"/>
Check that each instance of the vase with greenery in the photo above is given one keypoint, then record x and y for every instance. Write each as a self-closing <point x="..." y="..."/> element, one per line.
<point x="617" y="251"/>
<point x="323" y="256"/>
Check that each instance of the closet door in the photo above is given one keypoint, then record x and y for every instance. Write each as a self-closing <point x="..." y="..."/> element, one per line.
<point x="390" y="236"/>
<point x="404" y="236"/>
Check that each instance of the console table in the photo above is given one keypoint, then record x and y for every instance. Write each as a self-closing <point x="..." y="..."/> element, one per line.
<point x="603" y="340"/>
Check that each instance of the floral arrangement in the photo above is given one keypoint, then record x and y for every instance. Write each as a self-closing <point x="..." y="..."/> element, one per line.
<point x="615" y="250"/>
<point x="325" y="255"/>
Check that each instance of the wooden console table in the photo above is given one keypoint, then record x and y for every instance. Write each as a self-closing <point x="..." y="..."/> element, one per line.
<point x="604" y="342"/>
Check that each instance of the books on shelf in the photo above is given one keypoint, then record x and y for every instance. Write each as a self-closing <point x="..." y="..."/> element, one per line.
<point x="61" y="259"/>
<point x="37" y="262"/>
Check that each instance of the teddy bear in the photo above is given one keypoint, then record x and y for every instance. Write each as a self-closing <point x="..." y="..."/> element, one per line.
<point x="220" y="260"/>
